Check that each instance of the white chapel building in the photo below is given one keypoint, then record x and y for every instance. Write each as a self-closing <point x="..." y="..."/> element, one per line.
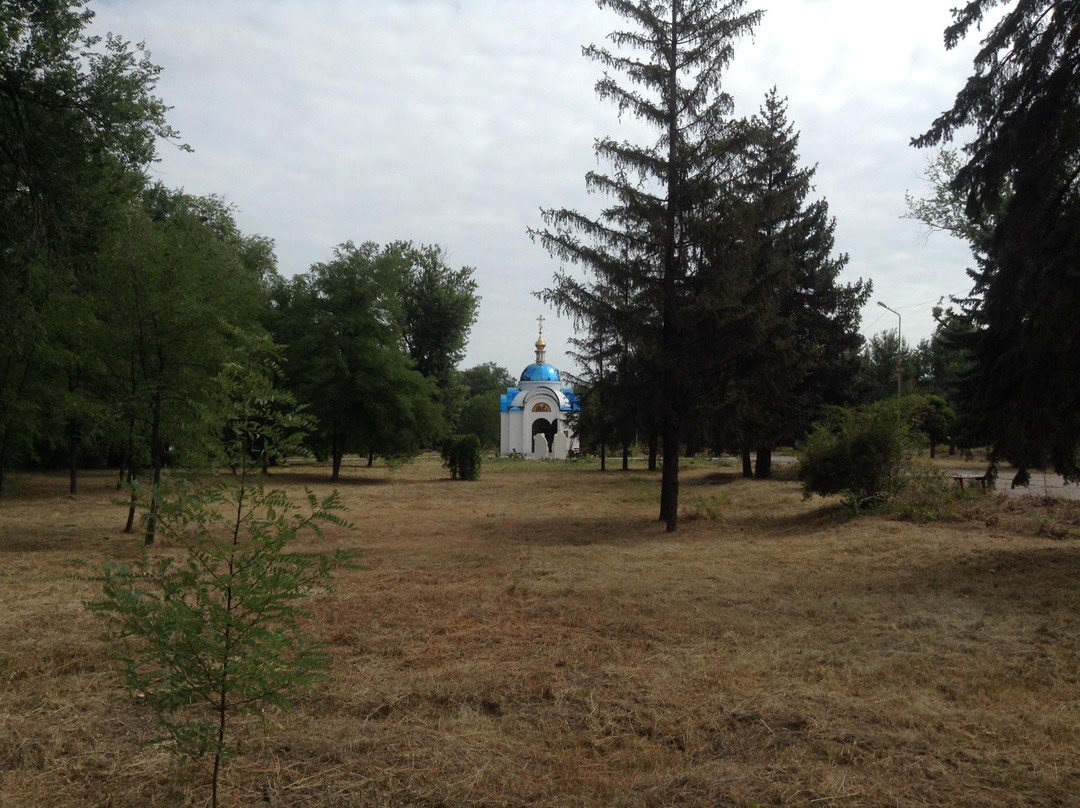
<point x="534" y="414"/>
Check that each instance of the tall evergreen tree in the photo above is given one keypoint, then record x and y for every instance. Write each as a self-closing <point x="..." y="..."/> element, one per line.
<point x="1023" y="166"/>
<point x="615" y="396"/>
<point x="598" y="389"/>
<point x="672" y="60"/>
<point x="800" y="343"/>
<point x="950" y="368"/>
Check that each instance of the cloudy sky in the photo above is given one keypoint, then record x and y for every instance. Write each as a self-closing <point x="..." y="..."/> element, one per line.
<point x="455" y="121"/>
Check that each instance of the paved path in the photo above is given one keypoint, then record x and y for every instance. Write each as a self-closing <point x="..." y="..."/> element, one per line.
<point x="1042" y="485"/>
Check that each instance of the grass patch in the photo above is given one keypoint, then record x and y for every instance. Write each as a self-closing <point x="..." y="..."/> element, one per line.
<point x="536" y="638"/>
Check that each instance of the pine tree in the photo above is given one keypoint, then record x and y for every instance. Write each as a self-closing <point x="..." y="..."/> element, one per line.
<point x="768" y="291"/>
<point x="672" y="61"/>
<point x="1019" y="177"/>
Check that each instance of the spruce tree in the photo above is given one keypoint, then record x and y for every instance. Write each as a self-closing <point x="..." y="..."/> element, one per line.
<point x="767" y="290"/>
<point x="1019" y="178"/>
<point x="810" y="354"/>
<point x="672" y="59"/>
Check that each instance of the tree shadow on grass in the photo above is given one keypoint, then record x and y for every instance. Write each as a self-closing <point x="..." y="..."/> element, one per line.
<point x="276" y="478"/>
<point x="767" y="526"/>
<point x="1031" y="578"/>
<point x="714" y="478"/>
<point x="611" y="531"/>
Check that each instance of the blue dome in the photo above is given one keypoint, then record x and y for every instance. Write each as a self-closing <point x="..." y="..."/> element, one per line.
<point x="540" y="373"/>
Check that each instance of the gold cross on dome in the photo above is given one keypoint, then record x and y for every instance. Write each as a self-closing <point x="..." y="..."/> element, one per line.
<point x="540" y="320"/>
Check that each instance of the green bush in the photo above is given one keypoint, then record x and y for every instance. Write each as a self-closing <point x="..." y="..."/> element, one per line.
<point x="928" y="495"/>
<point x="863" y="453"/>
<point x="462" y="455"/>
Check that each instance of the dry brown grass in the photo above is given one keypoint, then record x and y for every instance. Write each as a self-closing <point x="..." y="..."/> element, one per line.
<point x="535" y="638"/>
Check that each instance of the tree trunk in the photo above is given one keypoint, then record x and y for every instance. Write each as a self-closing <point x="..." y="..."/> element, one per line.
<point x="653" y="450"/>
<point x="3" y="460"/>
<point x="157" y="460"/>
<point x="626" y="456"/>
<point x="130" y="526"/>
<point x="747" y="466"/>
<point x="669" y="482"/>
<point x="933" y="448"/>
<point x="5" y="443"/>
<point x="127" y="461"/>
<point x="763" y="467"/>
<point x="127" y="464"/>
<point x="370" y="458"/>
<point x="603" y="455"/>
<point x="73" y="458"/>
<point x="155" y="501"/>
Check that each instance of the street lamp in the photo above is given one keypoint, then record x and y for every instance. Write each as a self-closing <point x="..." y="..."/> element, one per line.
<point x="899" y="346"/>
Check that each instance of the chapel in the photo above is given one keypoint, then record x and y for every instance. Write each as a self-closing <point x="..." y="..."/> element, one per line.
<point x="534" y="414"/>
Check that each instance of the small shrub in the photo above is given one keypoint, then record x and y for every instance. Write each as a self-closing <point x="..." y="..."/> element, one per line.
<point x="463" y="456"/>
<point x="863" y="453"/>
<point x="926" y="494"/>
<point x="214" y="631"/>
<point x="706" y="509"/>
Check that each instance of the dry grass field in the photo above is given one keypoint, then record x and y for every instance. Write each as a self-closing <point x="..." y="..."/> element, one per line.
<point x="536" y="639"/>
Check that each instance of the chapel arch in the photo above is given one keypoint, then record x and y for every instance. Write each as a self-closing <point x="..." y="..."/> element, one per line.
<point x="542" y="426"/>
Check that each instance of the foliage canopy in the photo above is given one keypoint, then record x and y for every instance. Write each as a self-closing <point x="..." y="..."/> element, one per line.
<point x="1018" y="180"/>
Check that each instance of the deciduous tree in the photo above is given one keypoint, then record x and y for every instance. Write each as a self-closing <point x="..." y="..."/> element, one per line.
<point x="78" y="123"/>
<point x="483" y="385"/>
<point x="438" y="307"/>
<point x="346" y="356"/>
<point x="171" y="285"/>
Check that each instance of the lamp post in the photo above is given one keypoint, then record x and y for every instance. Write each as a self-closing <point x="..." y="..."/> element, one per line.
<point x="899" y="356"/>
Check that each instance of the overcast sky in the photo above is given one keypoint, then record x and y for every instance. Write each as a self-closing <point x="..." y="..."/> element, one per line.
<point x="455" y="121"/>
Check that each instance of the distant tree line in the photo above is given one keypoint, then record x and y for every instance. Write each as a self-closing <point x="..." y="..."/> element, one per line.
<point x="121" y="300"/>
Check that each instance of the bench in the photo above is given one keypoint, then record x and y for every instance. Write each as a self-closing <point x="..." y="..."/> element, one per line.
<point x="984" y="480"/>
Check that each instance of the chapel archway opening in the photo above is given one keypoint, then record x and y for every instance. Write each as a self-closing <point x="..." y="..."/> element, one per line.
<point x="546" y="429"/>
